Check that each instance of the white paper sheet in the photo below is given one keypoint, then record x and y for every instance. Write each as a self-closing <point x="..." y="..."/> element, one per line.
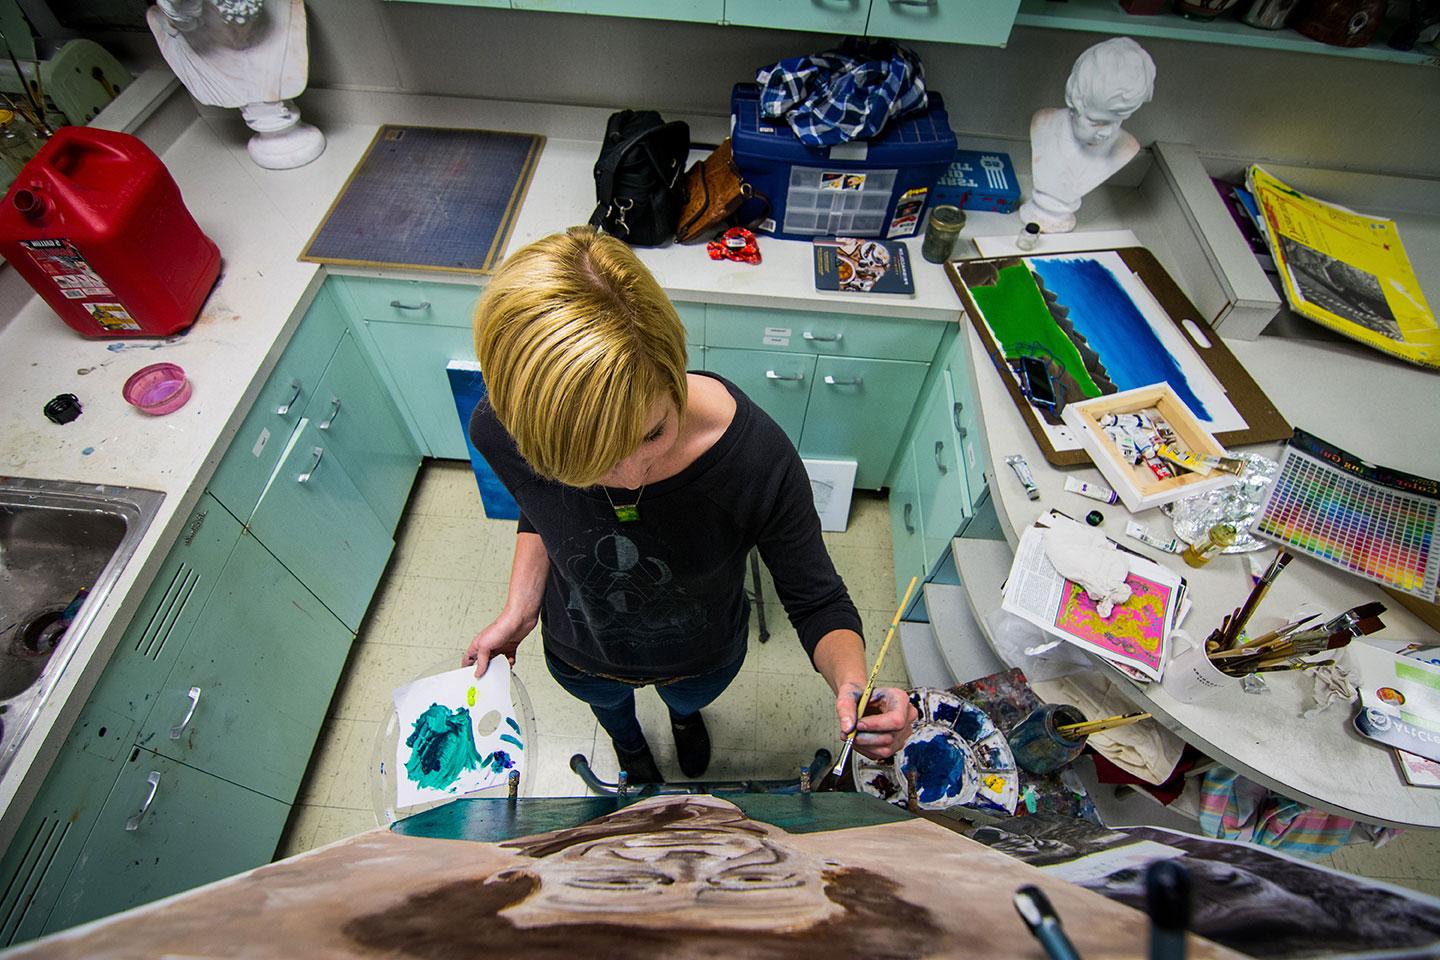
<point x="457" y="734"/>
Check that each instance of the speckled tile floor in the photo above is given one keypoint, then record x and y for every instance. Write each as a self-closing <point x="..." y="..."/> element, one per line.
<point x="447" y="579"/>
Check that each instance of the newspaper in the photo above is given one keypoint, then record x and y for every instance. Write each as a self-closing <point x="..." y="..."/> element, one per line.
<point x="1346" y="271"/>
<point x="1135" y="637"/>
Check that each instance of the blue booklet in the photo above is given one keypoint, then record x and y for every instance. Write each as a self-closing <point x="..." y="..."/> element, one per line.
<point x="862" y="265"/>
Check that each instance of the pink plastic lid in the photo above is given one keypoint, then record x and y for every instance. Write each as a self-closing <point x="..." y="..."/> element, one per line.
<point x="158" y="389"/>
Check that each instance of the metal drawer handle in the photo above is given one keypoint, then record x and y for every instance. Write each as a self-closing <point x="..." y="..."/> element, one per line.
<point x="909" y="527"/>
<point x="852" y="382"/>
<point x="822" y="338"/>
<point x="179" y="728"/>
<point x="912" y="3"/>
<point x="133" y="823"/>
<point x="334" y="412"/>
<point x="939" y="449"/>
<point x="319" y="453"/>
<point x="791" y="377"/>
<point x="284" y="408"/>
<point x="955" y="415"/>
<point x="422" y="305"/>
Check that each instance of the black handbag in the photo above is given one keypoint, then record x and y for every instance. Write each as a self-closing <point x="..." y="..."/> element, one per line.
<point x="639" y="182"/>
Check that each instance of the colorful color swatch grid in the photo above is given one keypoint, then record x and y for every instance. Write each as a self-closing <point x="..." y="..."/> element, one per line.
<point x="1375" y="523"/>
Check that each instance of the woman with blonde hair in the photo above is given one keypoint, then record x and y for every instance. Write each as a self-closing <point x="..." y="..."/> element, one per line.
<point x="642" y="489"/>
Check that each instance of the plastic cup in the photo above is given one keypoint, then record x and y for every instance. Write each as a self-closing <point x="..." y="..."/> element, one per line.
<point x="158" y="389"/>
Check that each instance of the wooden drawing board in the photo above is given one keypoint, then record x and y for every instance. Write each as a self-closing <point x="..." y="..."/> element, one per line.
<point x="1263" y="421"/>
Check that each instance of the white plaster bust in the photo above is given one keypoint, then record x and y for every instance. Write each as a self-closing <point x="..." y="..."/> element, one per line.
<point x="1076" y="149"/>
<point x="246" y="54"/>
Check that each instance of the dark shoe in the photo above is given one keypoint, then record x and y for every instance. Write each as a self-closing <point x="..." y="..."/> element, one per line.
<point x="639" y="765"/>
<point x="692" y="743"/>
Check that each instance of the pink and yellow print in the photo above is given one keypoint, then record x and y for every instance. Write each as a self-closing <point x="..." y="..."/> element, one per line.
<point x="1135" y="631"/>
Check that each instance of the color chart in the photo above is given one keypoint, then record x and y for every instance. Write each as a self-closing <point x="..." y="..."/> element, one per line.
<point x="1374" y="522"/>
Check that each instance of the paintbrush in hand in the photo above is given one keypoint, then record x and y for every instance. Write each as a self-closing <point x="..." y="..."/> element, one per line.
<point x="870" y="683"/>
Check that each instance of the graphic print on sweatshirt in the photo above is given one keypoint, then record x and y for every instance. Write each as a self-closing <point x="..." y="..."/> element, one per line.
<point x="626" y="599"/>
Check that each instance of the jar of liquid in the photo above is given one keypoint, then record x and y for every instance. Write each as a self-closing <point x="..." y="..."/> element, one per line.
<point x="942" y="229"/>
<point x="1029" y="236"/>
<point x="1037" y="743"/>
<point x="1221" y="536"/>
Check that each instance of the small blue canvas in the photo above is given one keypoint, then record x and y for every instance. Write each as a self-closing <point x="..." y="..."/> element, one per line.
<point x="468" y="386"/>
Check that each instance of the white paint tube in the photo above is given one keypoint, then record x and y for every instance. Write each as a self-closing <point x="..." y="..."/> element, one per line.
<point x="1094" y="491"/>
<point x="1137" y="531"/>
<point x="1022" y="470"/>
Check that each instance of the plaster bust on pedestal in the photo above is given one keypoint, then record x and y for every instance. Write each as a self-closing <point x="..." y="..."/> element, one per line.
<point x="1076" y="149"/>
<point x="245" y="54"/>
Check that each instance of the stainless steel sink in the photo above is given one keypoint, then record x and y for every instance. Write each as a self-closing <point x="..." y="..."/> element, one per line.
<point x="62" y="547"/>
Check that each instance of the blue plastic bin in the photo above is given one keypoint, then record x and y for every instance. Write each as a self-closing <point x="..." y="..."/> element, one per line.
<point x="867" y="188"/>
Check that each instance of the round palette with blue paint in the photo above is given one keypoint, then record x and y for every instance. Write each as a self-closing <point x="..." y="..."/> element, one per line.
<point x="955" y="756"/>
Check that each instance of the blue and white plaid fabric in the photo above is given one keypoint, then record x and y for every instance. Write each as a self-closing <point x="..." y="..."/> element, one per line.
<point x="845" y="94"/>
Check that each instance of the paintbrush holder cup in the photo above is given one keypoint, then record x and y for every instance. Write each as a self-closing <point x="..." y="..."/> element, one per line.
<point x="1038" y="745"/>
<point x="1191" y="677"/>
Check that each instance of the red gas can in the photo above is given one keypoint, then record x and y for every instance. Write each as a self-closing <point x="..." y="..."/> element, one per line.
<point x="96" y="225"/>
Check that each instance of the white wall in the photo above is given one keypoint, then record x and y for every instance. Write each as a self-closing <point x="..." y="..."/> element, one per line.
<point x="1228" y="101"/>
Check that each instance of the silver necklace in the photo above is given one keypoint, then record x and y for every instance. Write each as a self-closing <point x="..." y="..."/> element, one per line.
<point x="626" y="512"/>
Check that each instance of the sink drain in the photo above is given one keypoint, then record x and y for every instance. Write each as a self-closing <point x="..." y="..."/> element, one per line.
<point x="41" y="634"/>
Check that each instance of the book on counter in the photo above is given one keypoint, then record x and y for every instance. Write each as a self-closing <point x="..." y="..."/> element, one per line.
<point x="862" y="265"/>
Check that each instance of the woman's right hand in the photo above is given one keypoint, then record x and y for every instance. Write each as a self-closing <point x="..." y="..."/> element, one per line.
<point x="502" y="637"/>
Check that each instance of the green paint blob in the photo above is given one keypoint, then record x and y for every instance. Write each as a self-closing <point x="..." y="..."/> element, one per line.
<point x="443" y="747"/>
<point x="1016" y="311"/>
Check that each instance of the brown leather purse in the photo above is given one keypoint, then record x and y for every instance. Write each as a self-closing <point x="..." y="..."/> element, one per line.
<point x="716" y="192"/>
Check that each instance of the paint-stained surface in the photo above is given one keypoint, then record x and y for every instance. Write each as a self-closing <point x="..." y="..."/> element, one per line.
<point x="442" y="746"/>
<point x="673" y="877"/>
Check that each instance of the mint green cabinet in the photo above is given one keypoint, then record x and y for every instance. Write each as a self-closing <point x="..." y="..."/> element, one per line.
<point x="985" y="22"/>
<point x="944" y="495"/>
<point x="408" y="301"/>
<point x="314" y="519"/>
<point x="856" y="409"/>
<point x="822" y="334"/>
<point x="164" y="619"/>
<point x="248" y="694"/>
<point x="695" y="11"/>
<point x="819" y="16"/>
<point x="779" y="383"/>
<point x="906" y="533"/>
<point x="415" y="356"/>
<point x="246" y="467"/>
<point x="692" y="315"/>
<point x="363" y="429"/>
<point x="965" y="417"/>
<point x="166" y="828"/>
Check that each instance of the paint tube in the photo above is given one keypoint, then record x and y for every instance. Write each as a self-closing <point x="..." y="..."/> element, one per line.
<point x="1094" y="491"/>
<point x="1137" y="531"/>
<point x="1022" y="470"/>
<point x="1127" y="421"/>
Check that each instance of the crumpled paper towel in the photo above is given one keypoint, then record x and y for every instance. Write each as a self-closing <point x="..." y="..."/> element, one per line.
<point x="1088" y="558"/>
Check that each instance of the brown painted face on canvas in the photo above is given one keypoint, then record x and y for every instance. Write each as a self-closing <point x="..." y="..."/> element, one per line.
<point x="698" y="878"/>
<point x="633" y="471"/>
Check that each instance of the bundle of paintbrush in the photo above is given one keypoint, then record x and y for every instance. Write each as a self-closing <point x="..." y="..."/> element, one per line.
<point x="1228" y="634"/>
<point x="1281" y="649"/>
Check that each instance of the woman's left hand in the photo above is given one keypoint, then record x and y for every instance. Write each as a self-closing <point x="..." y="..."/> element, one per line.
<point x="886" y="723"/>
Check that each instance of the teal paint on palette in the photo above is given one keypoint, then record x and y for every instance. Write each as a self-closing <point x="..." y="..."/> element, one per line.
<point x="509" y="739"/>
<point x="443" y="747"/>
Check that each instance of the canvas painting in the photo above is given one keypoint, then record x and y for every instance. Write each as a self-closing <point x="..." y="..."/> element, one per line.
<point x="1097" y="328"/>
<point x="678" y="878"/>
<point x="457" y="734"/>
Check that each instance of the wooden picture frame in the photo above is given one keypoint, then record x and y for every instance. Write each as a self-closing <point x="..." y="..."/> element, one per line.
<point x="1138" y="488"/>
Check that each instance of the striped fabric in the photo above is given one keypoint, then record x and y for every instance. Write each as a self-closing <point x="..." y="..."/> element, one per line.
<point x="845" y="94"/>
<point x="1233" y="808"/>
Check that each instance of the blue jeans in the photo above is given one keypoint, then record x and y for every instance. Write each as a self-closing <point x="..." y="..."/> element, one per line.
<point x="613" y="702"/>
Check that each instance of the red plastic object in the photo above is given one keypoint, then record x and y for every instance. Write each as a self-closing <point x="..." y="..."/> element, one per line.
<point x="96" y="225"/>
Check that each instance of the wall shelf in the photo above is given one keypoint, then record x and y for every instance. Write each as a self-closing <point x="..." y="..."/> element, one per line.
<point x="1105" y="16"/>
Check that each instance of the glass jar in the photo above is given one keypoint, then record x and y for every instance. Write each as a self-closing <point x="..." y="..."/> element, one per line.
<point x="1221" y="536"/>
<point x="942" y="230"/>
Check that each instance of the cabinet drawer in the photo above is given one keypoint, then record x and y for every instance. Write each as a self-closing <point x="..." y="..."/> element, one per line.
<point x="693" y="316"/>
<point x="969" y="433"/>
<point x="818" y="16"/>
<point x="951" y="21"/>
<point x="944" y="497"/>
<point x="449" y="304"/>
<point x="264" y="659"/>
<point x="907" y="534"/>
<point x="314" y="520"/>
<point x="858" y="411"/>
<point x="362" y="426"/>
<point x="246" y="467"/>
<point x="161" y="625"/>
<point x="695" y="11"/>
<point x="166" y="828"/>
<point x="779" y="383"/>
<point x="824" y="334"/>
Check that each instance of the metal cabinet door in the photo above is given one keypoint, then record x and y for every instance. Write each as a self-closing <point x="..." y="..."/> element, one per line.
<point x="695" y="11"/>
<point x="315" y="521"/>
<point x="907" y="533"/>
<point x="944" y="497"/>
<point x="363" y="428"/>
<point x="246" y="467"/>
<point x="858" y="411"/>
<point x="985" y="22"/>
<point x="247" y="697"/>
<point x="415" y="356"/>
<point x="779" y="383"/>
<point x="166" y="828"/>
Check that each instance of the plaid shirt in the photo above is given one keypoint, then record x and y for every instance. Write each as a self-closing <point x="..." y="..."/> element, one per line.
<point x="845" y="94"/>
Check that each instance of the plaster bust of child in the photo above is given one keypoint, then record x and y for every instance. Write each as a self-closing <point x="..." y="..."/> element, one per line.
<point x="1076" y="149"/>
<point x="245" y="54"/>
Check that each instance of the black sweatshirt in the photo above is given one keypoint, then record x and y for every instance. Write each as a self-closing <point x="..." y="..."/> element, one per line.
<point x="664" y="596"/>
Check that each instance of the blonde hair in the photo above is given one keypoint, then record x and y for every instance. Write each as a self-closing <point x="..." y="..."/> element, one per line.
<point x="577" y="342"/>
